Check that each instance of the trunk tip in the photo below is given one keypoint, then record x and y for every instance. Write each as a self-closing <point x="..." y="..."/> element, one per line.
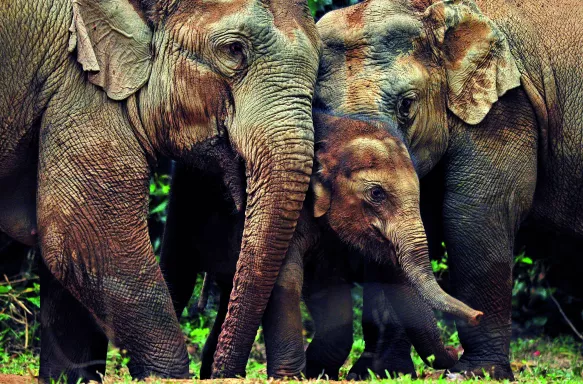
<point x="475" y="317"/>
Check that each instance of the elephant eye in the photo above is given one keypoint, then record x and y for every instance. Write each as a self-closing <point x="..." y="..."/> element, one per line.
<point x="406" y="108"/>
<point x="377" y="194"/>
<point x="233" y="57"/>
<point x="236" y="49"/>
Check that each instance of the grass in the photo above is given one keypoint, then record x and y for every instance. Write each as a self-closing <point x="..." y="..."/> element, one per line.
<point x="534" y="360"/>
<point x="537" y="360"/>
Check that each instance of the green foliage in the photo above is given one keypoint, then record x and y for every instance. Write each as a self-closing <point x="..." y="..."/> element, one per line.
<point x="159" y="191"/>
<point x="19" y="326"/>
<point x="440" y="266"/>
<point x="529" y="287"/>
<point x="159" y="199"/>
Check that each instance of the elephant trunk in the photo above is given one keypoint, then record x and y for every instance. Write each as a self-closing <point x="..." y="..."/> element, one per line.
<point x="413" y="256"/>
<point x="278" y="168"/>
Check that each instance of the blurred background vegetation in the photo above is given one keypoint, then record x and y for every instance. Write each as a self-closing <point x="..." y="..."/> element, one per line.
<point x="547" y="299"/>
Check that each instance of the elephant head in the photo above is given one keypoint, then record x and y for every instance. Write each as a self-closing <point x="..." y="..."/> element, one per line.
<point x="424" y="65"/>
<point x="368" y="189"/>
<point x="202" y="71"/>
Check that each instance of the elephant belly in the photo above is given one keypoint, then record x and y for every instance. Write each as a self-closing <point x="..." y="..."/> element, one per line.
<point x="18" y="204"/>
<point x="559" y="197"/>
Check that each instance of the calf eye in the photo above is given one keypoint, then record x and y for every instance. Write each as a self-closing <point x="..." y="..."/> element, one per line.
<point x="377" y="194"/>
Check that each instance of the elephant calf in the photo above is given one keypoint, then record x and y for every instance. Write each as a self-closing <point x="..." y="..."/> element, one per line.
<point x="365" y="194"/>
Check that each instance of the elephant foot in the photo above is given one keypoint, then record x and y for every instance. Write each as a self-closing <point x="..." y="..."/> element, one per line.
<point x="360" y="369"/>
<point x="392" y="367"/>
<point x="480" y="368"/>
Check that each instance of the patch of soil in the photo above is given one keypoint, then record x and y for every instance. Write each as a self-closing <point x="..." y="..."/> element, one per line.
<point x="15" y="379"/>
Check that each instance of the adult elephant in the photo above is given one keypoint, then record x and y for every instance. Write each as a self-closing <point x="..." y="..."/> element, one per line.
<point x="94" y="90"/>
<point x="493" y="91"/>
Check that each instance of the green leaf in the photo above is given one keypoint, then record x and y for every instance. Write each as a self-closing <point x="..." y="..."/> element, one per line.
<point x="5" y="288"/>
<point x="160" y="208"/>
<point x="434" y="266"/>
<point x="526" y="260"/>
<point x="539" y="321"/>
<point x="34" y="300"/>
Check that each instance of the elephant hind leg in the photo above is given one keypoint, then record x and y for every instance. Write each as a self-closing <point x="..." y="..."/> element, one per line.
<point x="72" y="345"/>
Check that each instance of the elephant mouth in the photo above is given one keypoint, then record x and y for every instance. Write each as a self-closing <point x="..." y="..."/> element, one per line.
<point x="385" y="250"/>
<point x="216" y="156"/>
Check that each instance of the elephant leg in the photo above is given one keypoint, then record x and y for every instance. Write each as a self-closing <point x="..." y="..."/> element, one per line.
<point x="210" y="346"/>
<point x="489" y="188"/>
<point x="420" y="324"/>
<point x="387" y="347"/>
<point x="331" y="308"/>
<point x="481" y="276"/>
<point x="72" y="345"/>
<point x="178" y="258"/>
<point x="282" y="321"/>
<point x="92" y="220"/>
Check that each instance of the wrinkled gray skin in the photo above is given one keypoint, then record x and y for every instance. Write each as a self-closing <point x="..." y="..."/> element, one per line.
<point x="357" y="158"/>
<point x="494" y="95"/>
<point x="91" y="92"/>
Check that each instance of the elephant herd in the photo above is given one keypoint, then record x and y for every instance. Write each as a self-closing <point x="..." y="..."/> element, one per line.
<point x="300" y="148"/>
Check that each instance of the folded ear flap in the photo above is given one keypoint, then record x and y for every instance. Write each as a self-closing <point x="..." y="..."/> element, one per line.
<point x="321" y="197"/>
<point x="477" y="59"/>
<point x="113" y="44"/>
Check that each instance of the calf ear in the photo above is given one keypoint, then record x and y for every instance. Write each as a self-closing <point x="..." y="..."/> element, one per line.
<point x="321" y="197"/>
<point x="113" y="40"/>
<point x="477" y="59"/>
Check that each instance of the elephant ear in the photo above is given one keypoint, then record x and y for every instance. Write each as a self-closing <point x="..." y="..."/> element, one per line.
<point x="113" y="40"/>
<point x="322" y="199"/>
<point x="477" y="59"/>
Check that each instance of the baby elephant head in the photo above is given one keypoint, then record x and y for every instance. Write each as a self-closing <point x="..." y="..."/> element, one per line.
<point x="368" y="189"/>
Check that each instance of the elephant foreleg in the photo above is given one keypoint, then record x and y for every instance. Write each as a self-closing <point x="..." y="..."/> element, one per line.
<point x="92" y="218"/>
<point x="490" y="184"/>
<point x="387" y="347"/>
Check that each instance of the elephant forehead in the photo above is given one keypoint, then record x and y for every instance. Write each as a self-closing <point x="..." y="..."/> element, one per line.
<point x="290" y="16"/>
<point x="287" y="16"/>
<point x="210" y="11"/>
<point x="365" y="152"/>
<point x="371" y="22"/>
